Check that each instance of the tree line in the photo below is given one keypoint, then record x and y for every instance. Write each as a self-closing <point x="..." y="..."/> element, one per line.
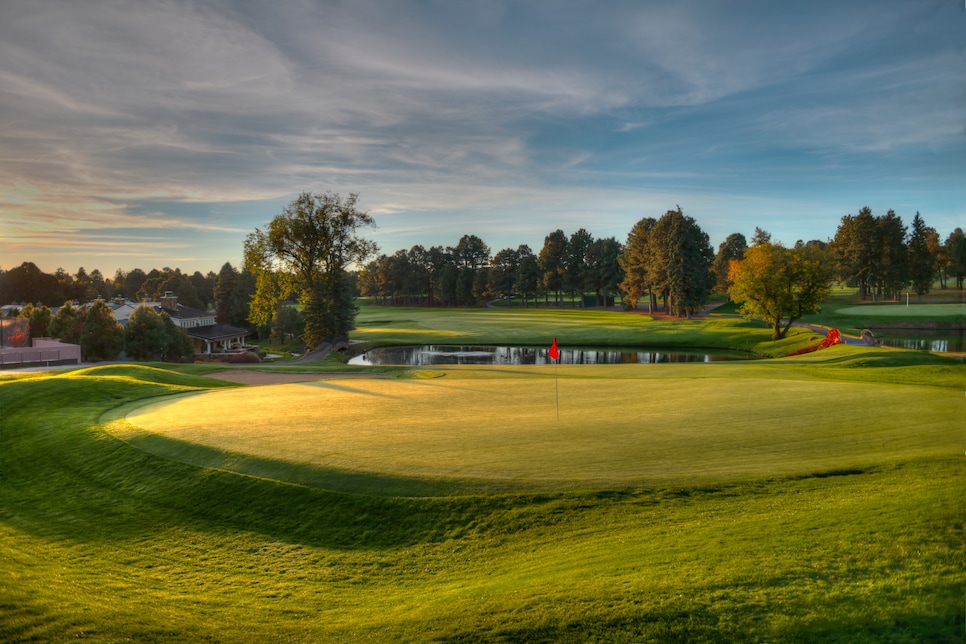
<point x="667" y="259"/>
<point x="298" y="277"/>
<point x="148" y="335"/>
<point x="226" y="292"/>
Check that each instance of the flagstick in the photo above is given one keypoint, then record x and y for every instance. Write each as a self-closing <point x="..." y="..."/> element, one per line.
<point x="556" y="387"/>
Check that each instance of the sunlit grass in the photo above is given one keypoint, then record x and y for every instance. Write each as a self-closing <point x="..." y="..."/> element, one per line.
<point x="105" y="541"/>
<point x="617" y="425"/>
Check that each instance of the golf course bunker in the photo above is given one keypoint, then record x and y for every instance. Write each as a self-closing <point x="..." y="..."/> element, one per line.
<point x="609" y="431"/>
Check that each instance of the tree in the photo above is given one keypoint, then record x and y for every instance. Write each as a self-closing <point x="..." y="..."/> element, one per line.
<point x="603" y="273"/>
<point x="471" y="252"/>
<point x="854" y="250"/>
<point x="67" y="323"/>
<point x="634" y="262"/>
<point x="551" y="260"/>
<point x="288" y="322"/>
<point x="778" y="284"/>
<point x="145" y="335"/>
<point x="504" y="268"/>
<point x="575" y="271"/>
<point x="27" y="283"/>
<point x="760" y="237"/>
<point x="307" y="250"/>
<point x="956" y="252"/>
<point x="528" y="275"/>
<point x="133" y="281"/>
<point x="40" y="318"/>
<point x="232" y="292"/>
<point x="890" y="254"/>
<point x="733" y="247"/>
<point x="167" y="279"/>
<point x="101" y="337"/>
<point x="179" y="344"/>
<point x="689" y="270"/>
<point x="204" y="288"/>
<point x="922" y="263"/>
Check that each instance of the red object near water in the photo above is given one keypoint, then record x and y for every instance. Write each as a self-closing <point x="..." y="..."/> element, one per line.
<point x="554" y="352"/>
<point x="833" y="337"/>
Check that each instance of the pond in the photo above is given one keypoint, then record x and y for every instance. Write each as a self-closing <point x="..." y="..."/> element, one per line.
<point x="924" y="340"/>
<point x="484" y="355"/>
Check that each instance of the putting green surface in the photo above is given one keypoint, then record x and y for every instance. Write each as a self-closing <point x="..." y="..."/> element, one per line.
<point x="903" y="311"/>
<point x="479" y="428"/>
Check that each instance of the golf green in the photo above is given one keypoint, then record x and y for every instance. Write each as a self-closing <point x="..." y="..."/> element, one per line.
<point x="904" y="311"/>
<point x="668" y="425"/>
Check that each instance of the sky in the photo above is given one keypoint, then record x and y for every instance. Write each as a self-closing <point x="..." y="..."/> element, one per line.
<point x="160" y="133"/>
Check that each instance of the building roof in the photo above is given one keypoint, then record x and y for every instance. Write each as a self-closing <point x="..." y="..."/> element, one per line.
<point x="216" y="332"/>
<point x="183" y="312"/>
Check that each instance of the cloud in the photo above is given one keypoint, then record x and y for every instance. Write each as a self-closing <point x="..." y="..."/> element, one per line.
<point x="122" y="114"/>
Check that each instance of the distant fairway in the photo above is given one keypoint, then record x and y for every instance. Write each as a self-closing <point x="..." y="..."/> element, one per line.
<point x="903" y="311"/>
<point x="480" y="429"/>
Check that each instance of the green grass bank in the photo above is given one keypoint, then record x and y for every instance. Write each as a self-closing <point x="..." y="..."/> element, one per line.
<point x="815" y="498"/>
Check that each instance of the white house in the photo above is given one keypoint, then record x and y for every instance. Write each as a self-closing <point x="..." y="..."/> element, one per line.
<point x="208" y="336"/>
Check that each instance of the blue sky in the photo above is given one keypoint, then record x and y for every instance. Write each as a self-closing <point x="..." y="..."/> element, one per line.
<point x="159" y="133"/>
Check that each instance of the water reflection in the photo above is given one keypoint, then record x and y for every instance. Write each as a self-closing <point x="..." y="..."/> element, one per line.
<point x="443" y="355"/>
<point x="925" y="344"/>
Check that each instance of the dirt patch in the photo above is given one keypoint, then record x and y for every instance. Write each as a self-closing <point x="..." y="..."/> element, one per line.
<point x="245" y="377"/>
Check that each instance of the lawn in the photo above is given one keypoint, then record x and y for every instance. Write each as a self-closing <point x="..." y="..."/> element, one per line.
<point x="912" y="311"/>
<point x="816" y="498"/>
<point x="486" y="429"/>
<point x="572" y="327"/>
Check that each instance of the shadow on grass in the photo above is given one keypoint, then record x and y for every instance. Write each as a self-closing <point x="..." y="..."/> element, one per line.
<point x="63" y="476"/>
<point x="321" y="478"/>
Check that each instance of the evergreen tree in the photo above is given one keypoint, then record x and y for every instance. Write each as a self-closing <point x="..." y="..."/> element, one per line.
<point x="145" y="335"/>
<point x="528" y="275"/>
<point x="503" y="273"/>
<point x="552" y="263"/>
<point x="922" y="264"/>
<point x="67" y="323"/>
<point x="889" y="244"/>
<point x="101" y="337"/>
<point x="689" y="277"/>
<point x="575" y="271"/>
<point x="224" y="289"/>
<point x="634" y="262"/>
<point x="604" y="272"/>
<point x="854" y="251"/>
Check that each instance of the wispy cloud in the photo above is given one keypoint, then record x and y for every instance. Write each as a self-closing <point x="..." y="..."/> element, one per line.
<point x="169" y="117"/>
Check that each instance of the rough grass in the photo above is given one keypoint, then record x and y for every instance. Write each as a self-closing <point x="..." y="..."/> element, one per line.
<point x="105" y="541"/>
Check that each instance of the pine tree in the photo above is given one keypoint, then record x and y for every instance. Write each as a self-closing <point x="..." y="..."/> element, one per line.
<point x="101" y="337"/>
<point x="922" y="263"/>
<point x="145" y="335"/>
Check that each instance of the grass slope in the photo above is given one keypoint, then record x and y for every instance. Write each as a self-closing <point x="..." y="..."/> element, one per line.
<point x="106" y="541"/>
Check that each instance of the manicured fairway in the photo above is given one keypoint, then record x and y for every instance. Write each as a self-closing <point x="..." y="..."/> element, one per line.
<point x="903" y="311"/>
<point x="485" y="429"/>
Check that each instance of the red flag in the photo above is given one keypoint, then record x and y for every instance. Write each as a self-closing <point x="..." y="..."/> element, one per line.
<point x="554" y="352"/>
